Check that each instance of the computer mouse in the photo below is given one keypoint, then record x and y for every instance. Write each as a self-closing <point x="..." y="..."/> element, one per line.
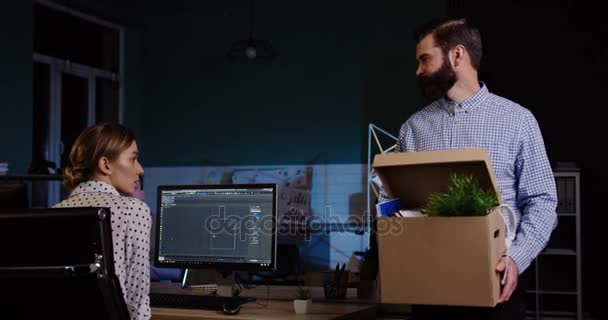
<point x="231" y="308"/>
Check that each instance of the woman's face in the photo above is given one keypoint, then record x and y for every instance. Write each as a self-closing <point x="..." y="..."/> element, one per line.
<point x="126" y="170"/>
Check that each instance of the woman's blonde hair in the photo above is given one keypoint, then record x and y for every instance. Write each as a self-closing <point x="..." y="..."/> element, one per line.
<point x="101" y="140"/>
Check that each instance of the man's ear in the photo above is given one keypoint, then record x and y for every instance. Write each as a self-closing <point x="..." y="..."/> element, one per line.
<point x="457" y="55"/>
<point x="104" y="166"/>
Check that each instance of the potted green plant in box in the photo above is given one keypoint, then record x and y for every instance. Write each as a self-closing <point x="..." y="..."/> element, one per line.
<point x="302" y="301"/>
<point x="463" y="197"/>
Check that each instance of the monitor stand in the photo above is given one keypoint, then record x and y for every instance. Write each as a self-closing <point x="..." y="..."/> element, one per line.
<point x="228" y="286"/>
<point x="225" y="282"/>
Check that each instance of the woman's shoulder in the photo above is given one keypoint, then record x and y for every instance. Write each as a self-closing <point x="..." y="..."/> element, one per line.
<point x="126" y="202"/>
<point x="87" y="199"/>
<point x="135" y="204"/>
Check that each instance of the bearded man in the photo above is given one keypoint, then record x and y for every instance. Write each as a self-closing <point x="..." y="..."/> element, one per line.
<point x="463" y="113"/>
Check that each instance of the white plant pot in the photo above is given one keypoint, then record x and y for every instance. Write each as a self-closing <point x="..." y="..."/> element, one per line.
<point x="302" y="306"/>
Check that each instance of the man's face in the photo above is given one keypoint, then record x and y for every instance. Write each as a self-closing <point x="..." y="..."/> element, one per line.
<point x="435" y="73"/>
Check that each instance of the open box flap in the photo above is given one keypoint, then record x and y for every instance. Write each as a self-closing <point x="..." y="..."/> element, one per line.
<point x="414" y="176"/>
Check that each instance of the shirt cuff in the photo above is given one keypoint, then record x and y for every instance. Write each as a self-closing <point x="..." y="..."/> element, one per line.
<point x="520" y="257"/>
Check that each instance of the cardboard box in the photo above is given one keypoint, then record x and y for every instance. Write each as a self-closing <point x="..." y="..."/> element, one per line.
<point x="437" y="260"/>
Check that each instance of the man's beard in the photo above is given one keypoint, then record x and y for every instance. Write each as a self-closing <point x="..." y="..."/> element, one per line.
<point x="437" y="84"/>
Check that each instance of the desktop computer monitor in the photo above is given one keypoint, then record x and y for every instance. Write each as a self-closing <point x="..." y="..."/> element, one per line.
<point x="222" y="227"/>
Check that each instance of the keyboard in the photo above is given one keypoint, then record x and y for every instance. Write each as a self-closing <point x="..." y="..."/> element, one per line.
<point x="190" y="301"/>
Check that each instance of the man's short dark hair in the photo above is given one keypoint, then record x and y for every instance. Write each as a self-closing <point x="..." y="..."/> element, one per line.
<point x="449" y="32"/>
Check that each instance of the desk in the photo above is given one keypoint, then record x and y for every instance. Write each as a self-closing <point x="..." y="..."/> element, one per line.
<point x="280" y="306"/>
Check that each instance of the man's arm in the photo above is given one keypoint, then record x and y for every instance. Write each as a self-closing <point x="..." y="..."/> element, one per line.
<point x="401" y="146"/>
<point x="536" y="196"/>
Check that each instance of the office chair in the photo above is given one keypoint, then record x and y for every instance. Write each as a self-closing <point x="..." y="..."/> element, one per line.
<point x="58" y="264"/>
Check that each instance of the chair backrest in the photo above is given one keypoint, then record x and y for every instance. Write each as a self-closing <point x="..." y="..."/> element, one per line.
<point x="58" y="263"/>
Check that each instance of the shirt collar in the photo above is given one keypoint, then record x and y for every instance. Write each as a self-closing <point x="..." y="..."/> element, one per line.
<point x="94" y="186"/>
<point x="469" y="103"/>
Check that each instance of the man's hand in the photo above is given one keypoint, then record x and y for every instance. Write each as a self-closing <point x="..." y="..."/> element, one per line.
<point x="510" y="275"/>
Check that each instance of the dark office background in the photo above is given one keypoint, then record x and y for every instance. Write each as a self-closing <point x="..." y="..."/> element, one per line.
<point x="340" y="66"/>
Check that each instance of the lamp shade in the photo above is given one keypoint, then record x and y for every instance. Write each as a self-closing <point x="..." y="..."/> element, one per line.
<point x="251" y="51"/>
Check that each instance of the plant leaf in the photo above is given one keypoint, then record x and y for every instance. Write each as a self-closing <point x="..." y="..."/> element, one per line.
<point x="464" y="197"/>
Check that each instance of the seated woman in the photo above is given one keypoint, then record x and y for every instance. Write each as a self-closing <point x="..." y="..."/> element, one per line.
<point x="104" y="165"/>
<point x="156" y="274"/>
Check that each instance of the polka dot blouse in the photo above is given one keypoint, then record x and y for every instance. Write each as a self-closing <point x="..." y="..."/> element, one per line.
<point x="131" y="240"/>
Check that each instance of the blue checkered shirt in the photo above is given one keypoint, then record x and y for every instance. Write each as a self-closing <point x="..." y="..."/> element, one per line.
<point x="516" y="148"/>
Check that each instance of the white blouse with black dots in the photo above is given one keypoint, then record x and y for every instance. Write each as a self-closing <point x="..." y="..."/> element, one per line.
<point x="131" y="240"/>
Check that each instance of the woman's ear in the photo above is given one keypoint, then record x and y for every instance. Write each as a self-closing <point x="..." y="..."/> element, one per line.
<point x="104" y="166"/>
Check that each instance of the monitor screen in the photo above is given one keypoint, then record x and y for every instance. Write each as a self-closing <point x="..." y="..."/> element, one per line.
<point x="224" y="227"/>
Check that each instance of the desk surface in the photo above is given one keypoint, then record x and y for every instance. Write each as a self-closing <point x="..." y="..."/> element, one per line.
<point x="279" y="307"/>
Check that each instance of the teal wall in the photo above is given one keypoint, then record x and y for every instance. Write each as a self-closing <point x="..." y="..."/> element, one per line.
<point x="341" y="65"/>
<point x="16" y="57"/>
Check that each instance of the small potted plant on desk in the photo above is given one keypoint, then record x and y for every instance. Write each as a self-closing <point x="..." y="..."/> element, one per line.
<point x="302" y="301"/>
